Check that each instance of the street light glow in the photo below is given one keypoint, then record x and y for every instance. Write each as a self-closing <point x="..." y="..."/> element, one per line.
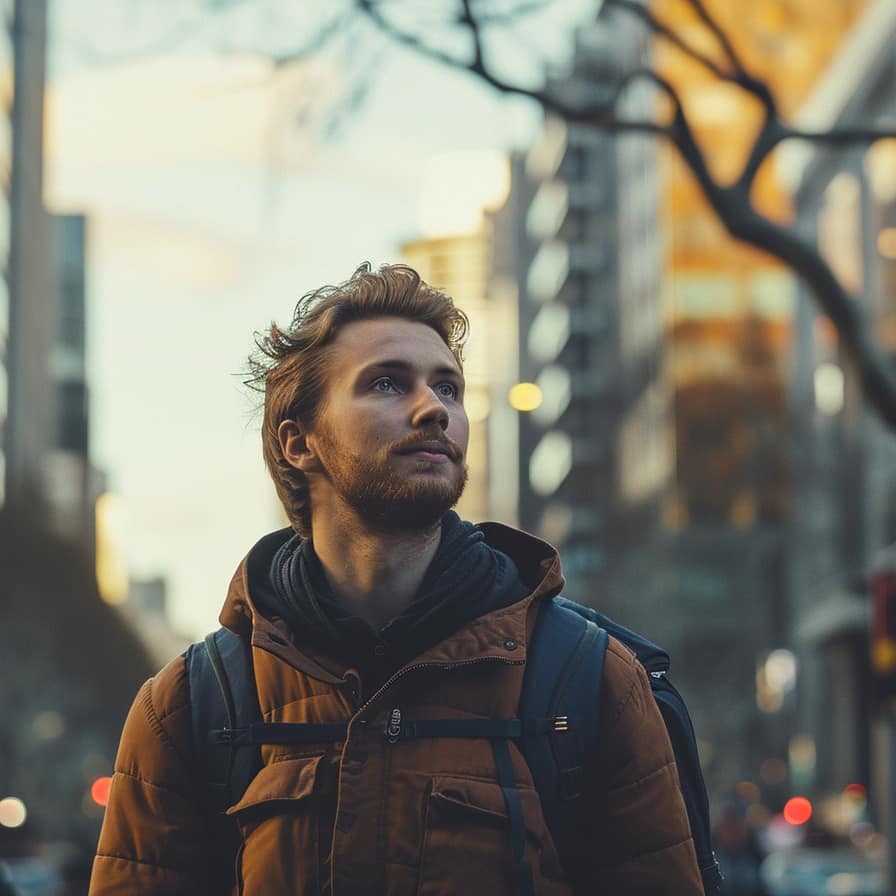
<point x="830" y="388"/>
<point x="12" y="812"/>
<point x="524" y="397"/>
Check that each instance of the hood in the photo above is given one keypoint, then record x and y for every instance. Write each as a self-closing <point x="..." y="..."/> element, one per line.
<point x="537" y="561"/>
<point x="248" y="611"/>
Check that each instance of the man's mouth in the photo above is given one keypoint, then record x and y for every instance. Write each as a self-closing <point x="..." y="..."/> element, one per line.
<point x="431" y="450"/>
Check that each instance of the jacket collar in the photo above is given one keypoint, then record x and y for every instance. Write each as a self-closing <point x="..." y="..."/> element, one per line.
<point x="501" y="634"/>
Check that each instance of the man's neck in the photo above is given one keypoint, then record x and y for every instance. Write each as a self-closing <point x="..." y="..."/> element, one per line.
<point x="375" y="575"/>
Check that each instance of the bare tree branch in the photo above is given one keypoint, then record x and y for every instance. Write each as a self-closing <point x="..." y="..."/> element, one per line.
<point x="661" y="29"/>
<point x="738" y="75"/>
<point x="600" y="115"/>
<point x="469" y="21"/>
<point x="732" y="204"/>
<point x="512" y="16"/>
<point x="719" y="34"/>
<point x="846" y="136"/>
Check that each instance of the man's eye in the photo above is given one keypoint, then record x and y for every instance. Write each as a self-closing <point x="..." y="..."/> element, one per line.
<point x="447" y="390"/>
<point x="384" y="384"/>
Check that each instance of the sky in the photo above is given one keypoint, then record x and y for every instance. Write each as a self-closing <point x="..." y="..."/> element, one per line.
<point x="210" y="213"/>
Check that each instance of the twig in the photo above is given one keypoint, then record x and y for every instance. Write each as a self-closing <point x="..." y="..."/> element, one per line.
<point x="599" y="115"/>
<point x="720" y="36"/>
<point x="663" y="30"/>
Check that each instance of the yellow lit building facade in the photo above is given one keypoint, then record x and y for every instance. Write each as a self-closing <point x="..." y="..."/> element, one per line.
<point x="728" y="309"/>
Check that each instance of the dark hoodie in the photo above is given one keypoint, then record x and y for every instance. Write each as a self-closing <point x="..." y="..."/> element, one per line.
<point x="466" y="579"/>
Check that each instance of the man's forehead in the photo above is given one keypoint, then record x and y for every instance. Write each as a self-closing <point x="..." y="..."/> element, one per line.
<point x="365" y="342"/>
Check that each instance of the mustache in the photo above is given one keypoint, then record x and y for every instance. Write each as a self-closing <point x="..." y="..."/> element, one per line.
<point x="450" y="447"/>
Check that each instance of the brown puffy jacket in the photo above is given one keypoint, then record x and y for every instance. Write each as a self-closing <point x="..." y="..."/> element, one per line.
<point x="417" y="817"/>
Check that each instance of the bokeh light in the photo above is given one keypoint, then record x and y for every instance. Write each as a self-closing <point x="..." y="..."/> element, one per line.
<point x="773" y="771"/>
<point x="747" y="791"/>
<point x="524" y="397"/>
<point x="12" y="812"/>
<point x="797" y="810"/>
<point x="99" y="790"/>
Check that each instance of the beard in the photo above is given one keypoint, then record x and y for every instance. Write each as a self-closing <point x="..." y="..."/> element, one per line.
<point x="384" y="500"/>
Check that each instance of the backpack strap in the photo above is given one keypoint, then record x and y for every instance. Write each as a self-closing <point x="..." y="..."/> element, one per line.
<point x="556" y="726"/>
<point x="690" y="776"/>
<point x="562" y="683"/>
<point x="684" y="745"/>
<point x="223" y="697"/>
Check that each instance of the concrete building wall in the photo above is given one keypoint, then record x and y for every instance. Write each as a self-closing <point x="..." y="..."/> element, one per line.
<point x="846" y="469"/>
<point x="30" y="273"/>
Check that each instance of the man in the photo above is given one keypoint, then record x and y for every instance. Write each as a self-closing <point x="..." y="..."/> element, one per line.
<point x="380" y="599"/>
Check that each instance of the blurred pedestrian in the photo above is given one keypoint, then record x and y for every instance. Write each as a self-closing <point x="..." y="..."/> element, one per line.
<point x="380" y="605"/>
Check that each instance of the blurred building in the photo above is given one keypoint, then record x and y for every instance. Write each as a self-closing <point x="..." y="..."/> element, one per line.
<point x="71" y="669"/>
<point x="29" y="306"/>
<point x="595" y="452"/>
<point x="845" y="468"/>
<point x="660" y="457"/>
<point x="146" y="612"/>
<point x="62" y="714"/>
<point x="721" y="571"/>
<point x="43" y="390"/>
<point x="72" y="484"/>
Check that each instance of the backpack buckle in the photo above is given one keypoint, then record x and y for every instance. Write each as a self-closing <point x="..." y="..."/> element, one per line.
<point x="393" y="726"/>
<point x="561" y="723"/>
<point x="229" y="736"/>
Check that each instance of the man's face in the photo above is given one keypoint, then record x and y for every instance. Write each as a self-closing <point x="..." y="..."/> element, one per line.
<point x="391" y="435"/>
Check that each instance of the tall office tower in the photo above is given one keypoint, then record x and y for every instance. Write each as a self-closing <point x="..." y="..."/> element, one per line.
<point x="594" y="454"/>
<point x="28" y="307"/>
<point x="728" y="331"/>
<point x="71" y="483"/>
<point x="728" y="308"/>
<point x="845" y="468"/>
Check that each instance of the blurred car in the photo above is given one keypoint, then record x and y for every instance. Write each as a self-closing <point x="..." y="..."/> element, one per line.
<point x="822" y="872"/>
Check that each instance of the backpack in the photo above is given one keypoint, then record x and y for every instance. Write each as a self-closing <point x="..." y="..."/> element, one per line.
<point x="556" y="729"/>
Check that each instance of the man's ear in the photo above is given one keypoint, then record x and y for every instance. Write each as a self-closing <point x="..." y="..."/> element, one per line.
<point x="295" y="446"/>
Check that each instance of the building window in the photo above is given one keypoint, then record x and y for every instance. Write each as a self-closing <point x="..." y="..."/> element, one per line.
<point x="550" y="463"/>
<point x="72" y="417"/>
<point x="840" y="230"/>
<point x="548" y="271"/>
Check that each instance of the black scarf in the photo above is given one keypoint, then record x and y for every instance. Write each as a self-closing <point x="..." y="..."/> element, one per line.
<point x="465" y="579"/>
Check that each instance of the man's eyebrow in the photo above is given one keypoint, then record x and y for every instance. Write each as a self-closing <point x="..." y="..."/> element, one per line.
<point x="397" y="364"/>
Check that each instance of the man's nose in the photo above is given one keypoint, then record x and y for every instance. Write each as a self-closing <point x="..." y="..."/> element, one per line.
<point x="429" y="408"/>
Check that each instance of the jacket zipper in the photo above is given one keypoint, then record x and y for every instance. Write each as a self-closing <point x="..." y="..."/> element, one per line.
<point x="401" y="673"/>
<point x="445" y="666"/>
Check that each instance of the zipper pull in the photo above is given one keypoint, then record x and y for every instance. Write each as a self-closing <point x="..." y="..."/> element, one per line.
<point x="393" y="726"/>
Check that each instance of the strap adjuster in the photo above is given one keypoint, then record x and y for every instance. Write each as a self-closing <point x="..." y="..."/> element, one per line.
<point x="393" y="726"/>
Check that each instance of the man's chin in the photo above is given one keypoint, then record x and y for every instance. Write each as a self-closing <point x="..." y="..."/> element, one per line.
<point x="415" y="507"/>
<point x="410" y="518"/>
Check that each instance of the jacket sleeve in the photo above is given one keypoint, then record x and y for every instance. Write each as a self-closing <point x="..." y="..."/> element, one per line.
<point x="152" y="838"/>
<point x="636" y="838"/>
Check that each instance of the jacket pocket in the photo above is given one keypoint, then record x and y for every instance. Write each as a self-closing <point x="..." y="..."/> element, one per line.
<point x="468" y="847"/>
<point x="278" y="817"/>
